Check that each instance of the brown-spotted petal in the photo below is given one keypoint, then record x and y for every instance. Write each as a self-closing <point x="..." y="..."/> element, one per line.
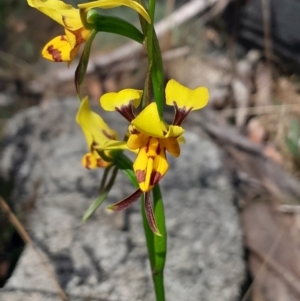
<point x="127" y="202"/>
<point x="150" y="215"/>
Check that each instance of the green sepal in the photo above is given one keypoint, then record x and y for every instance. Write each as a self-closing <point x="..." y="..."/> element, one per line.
<point x="103" y="192"/>
<point x="115" y="25"/>
<point x="83" y="62"/>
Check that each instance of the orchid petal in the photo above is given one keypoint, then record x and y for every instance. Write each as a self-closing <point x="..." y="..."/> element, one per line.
<point x="149" y="122"/>
<point x="136" y="141"/>
<point x="127" y="202"/>
<point x="90" y="161"/>
<point x="111" y="101"/>
<point x="64" y="14"/>
<point x="58" y="50"/>
<point x="174" y="131"/>
<point x="93" y="124"/>
<point x="185" y="97"/>
<point x="150" y="164"/>
<point x="172" y="146"/>
<point x="106" y="4"/>
<point x="150" y="215"/>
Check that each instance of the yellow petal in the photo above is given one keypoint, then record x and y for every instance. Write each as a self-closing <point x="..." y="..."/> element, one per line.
<point x="185" y="97"/>
<point x="106" y="4"/>
<point x="58" y="50"/>
<point x="149" y="122"/>
<point x="89" y="161"/>
<point x="150" y="164"/>
<point x="136" y="141"/>
<point x="77" y="37"/>
<point x="160" y="166"/>
<point x="93" y="124"/>
<point x="88" y="137"/>
<point x="174" y="131"/>
<point x="64" y="14"/>
<point x="111" y="101"/>
<point x="172" y="146"/>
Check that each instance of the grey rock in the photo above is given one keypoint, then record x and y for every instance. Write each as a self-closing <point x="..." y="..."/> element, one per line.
<point x="106" y="257"/>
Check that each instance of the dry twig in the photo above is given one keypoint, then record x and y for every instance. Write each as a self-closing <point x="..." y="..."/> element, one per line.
<point x="23" y="233"/>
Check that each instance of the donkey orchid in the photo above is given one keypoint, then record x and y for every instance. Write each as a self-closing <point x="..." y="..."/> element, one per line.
<point x="152" y="137"/>
<point x="64" y="48"/>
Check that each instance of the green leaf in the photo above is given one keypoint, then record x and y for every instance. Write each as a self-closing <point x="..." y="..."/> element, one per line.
<point x="97" y="202"/>
<point x="102" y="194"/>
<point x="83" y="63"/>
<point x="116" y="25"/>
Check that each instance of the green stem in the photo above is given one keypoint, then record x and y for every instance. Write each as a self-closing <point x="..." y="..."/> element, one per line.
<point x="157" y="245"/>
<point x="155" y="64"/>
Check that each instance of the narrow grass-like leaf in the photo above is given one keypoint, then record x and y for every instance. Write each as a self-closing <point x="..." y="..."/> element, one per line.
<point x="83" y="63"/>
<point x="117" y="26"/>
<point x="102" y="196"/>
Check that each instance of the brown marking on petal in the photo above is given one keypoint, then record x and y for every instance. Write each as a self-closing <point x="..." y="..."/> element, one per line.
<point x="63" y="38"/>
<point x="133" y="131"/>
<point x="93" y="146"/>
<point x="155" y="177"/>
<point x="158" y="149"/>
<point x="101" y="163"/>
<point x="147" y="146"/>
<point x="55" y="53"/>
<point x="126" y="111"/>
<point x="64" y="21"/>
<point x="180" y="114"/>
<point x="150" y="215"/>
<point x="79" y="38"/>
<point x="87" y="162"/>
<point x="107" y="135"/>
<point x="140" y="175"/>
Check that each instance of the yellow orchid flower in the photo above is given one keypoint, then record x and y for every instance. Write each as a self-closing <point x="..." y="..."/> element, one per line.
<point x="96" y="132"/>
<point x="64" y="48"/>
<point x="152" y="137"/>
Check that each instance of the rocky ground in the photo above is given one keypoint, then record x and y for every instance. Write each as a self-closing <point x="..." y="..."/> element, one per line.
<point x="105" y="258"/>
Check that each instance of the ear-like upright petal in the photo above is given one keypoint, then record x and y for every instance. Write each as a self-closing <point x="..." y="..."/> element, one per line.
<point x="185" y="97"/>
<point x="112" y="101"/>
<point x="105" y="4"/>
<point x="122" y="102"/>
